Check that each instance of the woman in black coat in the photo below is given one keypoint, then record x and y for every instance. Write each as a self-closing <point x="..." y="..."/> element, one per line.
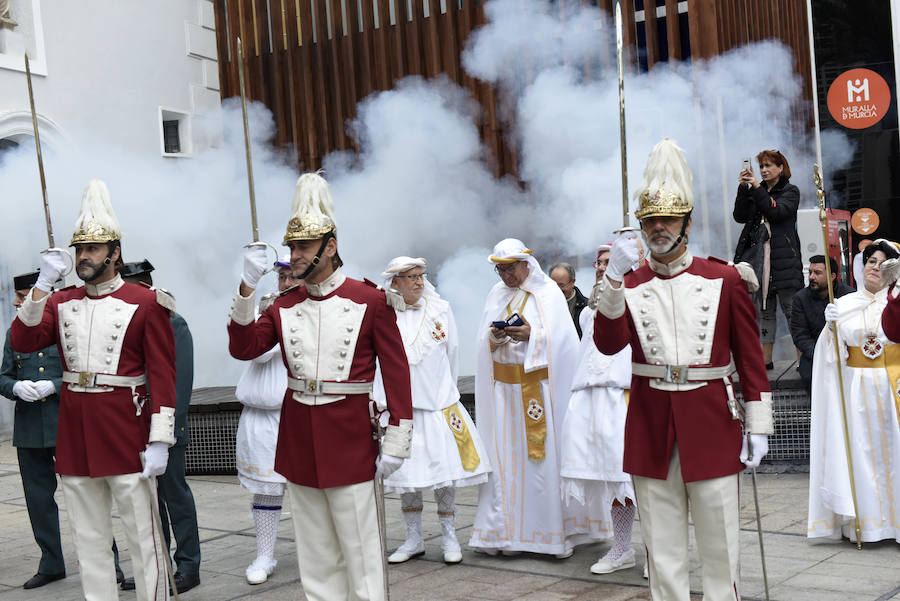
<point x="769" y="240"/>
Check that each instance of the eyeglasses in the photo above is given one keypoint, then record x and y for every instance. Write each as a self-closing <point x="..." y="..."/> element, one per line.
<point x="413" y="277"/>
<point x="501" y="269"/>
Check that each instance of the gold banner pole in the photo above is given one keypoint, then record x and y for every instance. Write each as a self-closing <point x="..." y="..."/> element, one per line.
<point x="253" y="221"/>
<point x="823" y="218"/>
<point x="40" y="158"/>
<point x="620" y="62"/>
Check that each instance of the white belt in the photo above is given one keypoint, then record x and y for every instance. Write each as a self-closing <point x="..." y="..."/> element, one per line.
<point x="87" y="379"/>
<point x="327" y="388"/>
<point x="681" y="374"/>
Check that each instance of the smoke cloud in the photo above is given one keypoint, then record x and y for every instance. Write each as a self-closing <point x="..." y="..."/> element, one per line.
<point x="421" y="185"/>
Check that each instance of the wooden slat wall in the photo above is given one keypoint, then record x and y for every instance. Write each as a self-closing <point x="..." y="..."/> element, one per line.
<point x="314" y="75"/>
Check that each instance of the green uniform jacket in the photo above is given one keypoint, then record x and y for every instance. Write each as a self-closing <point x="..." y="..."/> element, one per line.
<point x="35" y="423"/>
<point x="184" y="377"/>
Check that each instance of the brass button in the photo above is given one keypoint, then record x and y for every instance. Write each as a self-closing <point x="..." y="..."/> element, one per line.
<point x="349" y="328"/>
<point x="74" y="309"/>
<point x="643" y="310"/>
<point x="293" y="330"/>
<point x="651" y="336"/>
<point x="703" y="322"/>
<point x="645" y="323"/>
<point x="699" y="288"/>
<point x="699" y="350"/>
<point x="115" y="336"/>
<point x="296" y="354"/>
<point x="108" y="360"/>
<point x="645" y="294"/>
<point x="347" y="341"/>
<point x="69" y="347"/>
<point x="66" y="324"/>
<point x="705" y="307"/>
<point x="293" y="341"/>
<point x="40" y="354"/>
<point x="702" y="336"/>
<point x="41" y="369"/>
<point x="18" y="356"/>
<point x="654" y="350"/>
<point x="341" y="367"/>
<point x="118" y="308"/>
<point x="297" y="366"/>
<point x="109" y="348"/>
<point x="343" y="354"/>
<point x="346" y="309"/>
<point x="118" y="324"/>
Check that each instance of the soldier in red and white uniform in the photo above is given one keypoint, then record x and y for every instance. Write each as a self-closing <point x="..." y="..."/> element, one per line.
<point x="116" y="344"/>
<point x="685" y="318"/>
<point x="331" y="332"/>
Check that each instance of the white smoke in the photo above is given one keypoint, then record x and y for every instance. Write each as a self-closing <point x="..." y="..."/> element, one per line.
<point x="421" y="184"/>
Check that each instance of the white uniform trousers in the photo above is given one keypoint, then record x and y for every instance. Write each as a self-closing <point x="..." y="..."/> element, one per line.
<point x="89" y="504"/>
<point x="715" y="508"/>
<point x="338" y="547"/>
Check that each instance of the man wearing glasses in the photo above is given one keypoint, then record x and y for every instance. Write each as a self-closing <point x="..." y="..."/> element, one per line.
<point x="446" y="450"/>
<point x="526" y="355"/>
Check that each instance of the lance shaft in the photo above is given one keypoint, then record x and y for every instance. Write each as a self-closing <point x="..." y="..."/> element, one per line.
<point x="620" y="62"/>
<point x="253" y="222"/>
<point x="40" y="158"/>
<point x="823" y="218"/>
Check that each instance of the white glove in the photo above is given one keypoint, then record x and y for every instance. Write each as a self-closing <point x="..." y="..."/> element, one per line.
<point x="760" y="444"/>
<point x="45" y="388"/>
<point x="386" y="465"/>
<point x="623" y="256"/>
<point x="53" y="265"/>
<point x="156" y="457"/>
<point x="831" y="313"/>
<point x="255" y="262"/>
<point x="25" y="390"/>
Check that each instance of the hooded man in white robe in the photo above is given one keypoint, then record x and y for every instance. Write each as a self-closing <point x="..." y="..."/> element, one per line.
<point x="522" y="378"/>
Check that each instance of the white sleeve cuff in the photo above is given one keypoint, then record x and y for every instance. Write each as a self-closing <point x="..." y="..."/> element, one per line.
<point x="397" y="439"/>
<point x="759" y="418"/>
<point x="610" y="300"/>
<point x="243" y="309"/>
<point x="162" y="426"/>
<point x="31" y="311"/>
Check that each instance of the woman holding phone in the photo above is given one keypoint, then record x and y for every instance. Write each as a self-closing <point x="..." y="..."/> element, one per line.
<point x="769" y="240"/>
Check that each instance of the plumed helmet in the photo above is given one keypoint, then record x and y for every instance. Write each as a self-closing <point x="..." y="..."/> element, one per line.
<point x="667" y="187"/>
<point x="312" y="211"/>
<point x="97" y="222"/>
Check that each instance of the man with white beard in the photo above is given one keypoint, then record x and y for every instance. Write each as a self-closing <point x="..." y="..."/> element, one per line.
<point x="526" y="353"/>
<point x="685" y="318"/>
<point x="593" y="437"/>
<point x="446" y="451"/>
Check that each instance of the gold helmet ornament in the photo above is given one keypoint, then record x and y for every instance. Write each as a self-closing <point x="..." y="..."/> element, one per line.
<point x="97" y="222"/>
<point x="312" y="211"/>
<point x="667" y="187"/>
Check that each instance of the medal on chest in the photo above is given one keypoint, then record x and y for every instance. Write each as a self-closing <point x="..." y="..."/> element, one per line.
<point x="438" y="333"/>
<point x="872" y="347"/>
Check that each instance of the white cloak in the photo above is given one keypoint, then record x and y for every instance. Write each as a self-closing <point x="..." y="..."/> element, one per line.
<point x="594" y="431"/>
<point x="873" y="427"/>
<point x="261" y="390"/>
<point x="432" y="349"/>
<point x="520" y="507"/>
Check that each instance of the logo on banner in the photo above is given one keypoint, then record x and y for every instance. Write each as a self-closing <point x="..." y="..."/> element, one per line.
<point x="858" y="98"/>
<point x="864" y="221"/>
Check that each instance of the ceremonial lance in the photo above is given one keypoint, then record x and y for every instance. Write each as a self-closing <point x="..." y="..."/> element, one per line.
<point x="253" y="222"/>
<point x="620" y="62"/>
<point x="823" y="218"/>
<point x="40" y="158"/>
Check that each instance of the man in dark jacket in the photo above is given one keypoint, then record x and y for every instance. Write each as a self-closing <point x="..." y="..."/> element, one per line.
<point x="33" y="381"/>
<point x="769" y="211"/>
<point x="176" y="502"/>
<point x="564" y="276"/>
<point x="807" y="313"/>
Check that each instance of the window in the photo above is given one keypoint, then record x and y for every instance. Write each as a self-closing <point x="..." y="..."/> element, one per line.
<point x="175" y="133"/>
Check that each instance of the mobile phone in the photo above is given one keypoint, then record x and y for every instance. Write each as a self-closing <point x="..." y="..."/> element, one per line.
<point x="514" y="320"/>
<point x="747" y="166"/>
<point x="499" y="324"/>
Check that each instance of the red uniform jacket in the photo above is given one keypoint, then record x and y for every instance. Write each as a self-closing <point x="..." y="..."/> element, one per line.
<point x="333" y="337"/>
<point x="125" y="333"/>
<point x="701" y="316"/>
